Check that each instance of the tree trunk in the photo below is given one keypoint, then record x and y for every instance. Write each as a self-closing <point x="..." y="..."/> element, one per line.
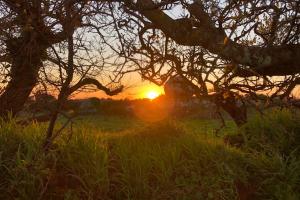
<point x="49" y="133"/>
<point x="236" y="109"/>
<point x="63" y="95"/>
<point x="26" y="56"/>
<point x="237" y="113"/>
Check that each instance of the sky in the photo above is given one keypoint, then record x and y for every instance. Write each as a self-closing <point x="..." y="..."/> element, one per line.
<point x="135" y="88"/>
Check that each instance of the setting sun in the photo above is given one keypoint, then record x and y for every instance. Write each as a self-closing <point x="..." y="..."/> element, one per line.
<point x="152" y="94"/>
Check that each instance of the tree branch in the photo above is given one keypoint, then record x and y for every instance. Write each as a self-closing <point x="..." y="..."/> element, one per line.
<point x="272" y="60"/>
<point x="91" y="81"/>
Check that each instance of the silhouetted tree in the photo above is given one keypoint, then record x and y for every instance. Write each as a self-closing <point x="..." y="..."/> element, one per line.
<point x="223" y="49"/>
<point x="255" y="40"/>
<point x="258" y="36"/>
<point x="34" y="37"/>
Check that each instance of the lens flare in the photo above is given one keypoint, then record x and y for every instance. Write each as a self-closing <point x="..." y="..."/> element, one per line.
<point x="152" y="94"/>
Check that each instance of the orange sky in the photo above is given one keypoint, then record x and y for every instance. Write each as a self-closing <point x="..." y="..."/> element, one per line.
<point x="130" y="93"/>
<point x="140" y="89"/>
<point x="135" y="88"/>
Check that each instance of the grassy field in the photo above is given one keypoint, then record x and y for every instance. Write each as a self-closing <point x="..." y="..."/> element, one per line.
<point x="125" y="158"/>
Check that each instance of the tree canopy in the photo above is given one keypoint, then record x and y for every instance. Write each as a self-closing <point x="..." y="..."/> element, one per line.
<point x="244" y="46"/>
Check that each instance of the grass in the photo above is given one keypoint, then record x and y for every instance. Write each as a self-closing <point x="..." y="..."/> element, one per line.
<point x="108" y="124"/>
<point x="127" y="159"/>
<point x="209" y="127"/>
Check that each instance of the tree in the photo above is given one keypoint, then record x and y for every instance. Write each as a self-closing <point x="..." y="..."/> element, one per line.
<point x="223" y="49"/>
<point x="257" y="39"/>
<point x="262" y="36"/>
<point x="32" y="37"/>
<point x="65" y="88"/>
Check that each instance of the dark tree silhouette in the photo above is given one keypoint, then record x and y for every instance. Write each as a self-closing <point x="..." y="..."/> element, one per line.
<point x="32" y="37"/>
<point x="263" y="36"/>
<point x="256" y="39"/>
<point x="223" y="49"/>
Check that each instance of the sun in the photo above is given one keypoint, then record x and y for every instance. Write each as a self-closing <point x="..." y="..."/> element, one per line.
<point x="152" y="94"/>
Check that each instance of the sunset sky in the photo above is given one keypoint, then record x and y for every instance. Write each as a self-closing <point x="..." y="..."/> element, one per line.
<point x="135" y="88"/>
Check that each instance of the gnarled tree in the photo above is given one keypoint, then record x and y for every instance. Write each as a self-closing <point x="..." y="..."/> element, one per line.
<point x="226" y="47"/>
<point x="259" y="39"/>
<point x="32" y="35"/>
<point x="262" y="36"/>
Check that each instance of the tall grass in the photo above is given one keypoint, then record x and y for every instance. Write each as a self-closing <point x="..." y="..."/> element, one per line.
<point x="155" y="161"/>
<point x="277" y="132"/>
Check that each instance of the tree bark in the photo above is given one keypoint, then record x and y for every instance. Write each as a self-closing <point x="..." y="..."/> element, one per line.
<point x="236" y="109"/>
<point x="26" y="59"/>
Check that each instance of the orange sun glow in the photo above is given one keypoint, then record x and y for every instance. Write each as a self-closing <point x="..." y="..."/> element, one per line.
<point x="152" y="94"/>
